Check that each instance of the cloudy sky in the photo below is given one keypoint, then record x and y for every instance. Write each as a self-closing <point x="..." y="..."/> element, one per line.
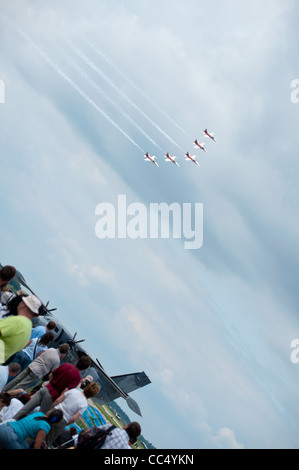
<point x="88" y="88"/>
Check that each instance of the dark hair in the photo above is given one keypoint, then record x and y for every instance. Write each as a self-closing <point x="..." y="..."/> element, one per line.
<point x="6" y="398"/>
<point x="46" y="339"/>
<point x="133" y="430"/>
<point x="24" y="397"/>
<point x="7" y="273"/>
<point x="51" y="325"/>
<point x="54" y="417"/>
<point x="83" y="363"/>
<point x="12" y="305"/>
<point x="64" y="348"/>
<point x="14" y="367"/>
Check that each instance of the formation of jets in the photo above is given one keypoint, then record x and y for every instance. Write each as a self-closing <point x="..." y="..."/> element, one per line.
<point x="188" y="157"/>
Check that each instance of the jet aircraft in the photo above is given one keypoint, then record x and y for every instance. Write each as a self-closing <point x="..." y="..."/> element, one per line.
<point x="201" y="146"/>
<point x="191" y="158"/>
<point x="111" y="387"/>
<point x="148" y="158"/>
<point x="211" y="134"/>
<point x="171" y="159"/>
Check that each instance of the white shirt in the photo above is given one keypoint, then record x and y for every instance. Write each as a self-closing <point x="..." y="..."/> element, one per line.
<point x="74" y="402"/>
<point x="3" y="376"/>
<point x="8" y="412"/>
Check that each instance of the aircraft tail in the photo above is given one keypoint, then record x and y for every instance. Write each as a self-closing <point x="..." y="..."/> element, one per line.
<point x="130" y="382"/>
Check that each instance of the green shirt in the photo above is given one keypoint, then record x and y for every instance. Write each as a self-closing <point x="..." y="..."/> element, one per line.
<point x="15" y="333"/>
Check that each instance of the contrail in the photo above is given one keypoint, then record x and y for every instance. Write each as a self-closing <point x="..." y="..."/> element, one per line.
<point x="112" y="65"/>
<point x="71" y="82"/>
<point x="110" y="82"/>
<point x="74" y="64"/>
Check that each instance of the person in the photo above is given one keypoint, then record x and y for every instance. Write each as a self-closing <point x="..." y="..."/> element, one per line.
<point x="7" y="294"/>
<point x="68" y="438"/>
<point x="5" y="400"/>
<point x="85" y="381"/>
<point x="39" y="367"/>
<point x="7" y="273"/>
<point x="39" y="330"/>
<point x="15" y="405"/>
<point x="8" y="371"/>
<point x="120" y="438"/>
<point x="72" y="403"/>
<point x="66" y="376"/>
<point x="33" y="349"/>
<point x="13" y="434"/>
<point x="15" y="330"/>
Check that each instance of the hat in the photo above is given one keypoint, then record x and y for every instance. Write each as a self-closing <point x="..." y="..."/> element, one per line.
<point x="33" y="303"/>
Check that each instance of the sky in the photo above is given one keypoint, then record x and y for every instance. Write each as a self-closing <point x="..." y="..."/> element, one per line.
<point x="86" y="89"/>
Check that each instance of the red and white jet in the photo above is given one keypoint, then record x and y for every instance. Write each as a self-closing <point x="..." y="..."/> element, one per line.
<point x="191" y="158"/>
<point x="148" y="158"/>
<point x="171" y="159"/>
<point x="211" y="134"/>
<point x="201" y="146"/>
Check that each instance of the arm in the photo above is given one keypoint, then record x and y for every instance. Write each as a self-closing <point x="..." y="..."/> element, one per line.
<point x="39" y="439"/>
<point x="75" y="418"/>
<point x="58" y="400"/>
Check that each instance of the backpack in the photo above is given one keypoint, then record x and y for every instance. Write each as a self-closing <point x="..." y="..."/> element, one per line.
<point x="93" y="438"/>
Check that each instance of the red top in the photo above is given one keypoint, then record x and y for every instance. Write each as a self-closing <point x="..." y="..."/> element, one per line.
<point x="65" y="376"/>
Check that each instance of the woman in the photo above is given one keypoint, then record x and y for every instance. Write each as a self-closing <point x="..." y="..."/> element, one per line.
<point x="13" y="434"/>
<point x="11" y="409"/>
<point x="33" y="349"/>
<point x="5" y="400"/>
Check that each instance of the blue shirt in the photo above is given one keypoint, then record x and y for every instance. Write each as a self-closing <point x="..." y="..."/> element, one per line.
<point x="38" y="331"/>
<point x="29" y="426"/>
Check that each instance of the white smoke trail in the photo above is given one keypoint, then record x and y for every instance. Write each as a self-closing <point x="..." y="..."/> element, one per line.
<point x="70" y="81"/>
<point x="74" y="64"/>
<point x="115" y="87"/>
<point x="127" y="79"/>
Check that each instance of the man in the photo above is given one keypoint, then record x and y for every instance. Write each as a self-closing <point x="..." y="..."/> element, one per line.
<point x="8" y="371"/>
<point x="72" y="403"/>
<point x="65" y="377"/>
<point x="40" y="330"/>
<point x="15" y="330"/>
<point x="48" y="361"/>
<point x="7" y="273"/>
<point x="120" y="438"/>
